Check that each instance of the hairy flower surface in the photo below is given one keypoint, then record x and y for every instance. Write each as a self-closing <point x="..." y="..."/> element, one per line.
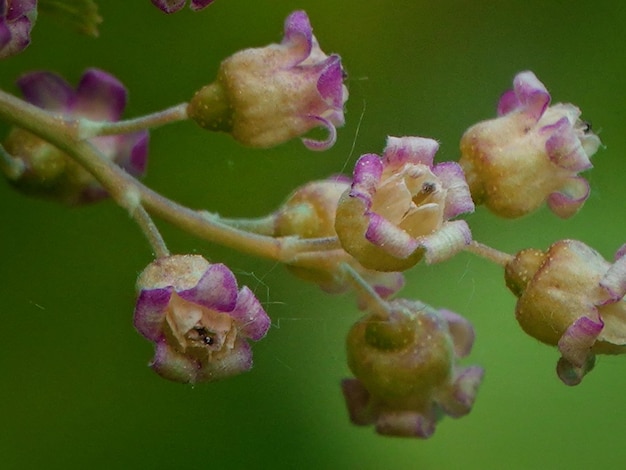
<point x="17" y="18"/>
<point x="530" y="154"/>
<point x="398" y="207"/>
<point x="406" y="370"/>
<point x="266" y="96"/>
<point x="310" y="213"/>
<point x="47" y="171"/>
<point x="570" y="297"/>
<point x="198" y="319"/>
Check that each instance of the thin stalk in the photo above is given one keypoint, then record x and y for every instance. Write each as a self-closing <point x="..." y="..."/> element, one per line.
<point x="87" y="128"/>
<point x="490" y="254"/>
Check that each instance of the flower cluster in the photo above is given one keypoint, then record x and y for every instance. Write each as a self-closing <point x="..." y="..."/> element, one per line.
<point x="341" y="233"/>
<point x="49" y="172"/>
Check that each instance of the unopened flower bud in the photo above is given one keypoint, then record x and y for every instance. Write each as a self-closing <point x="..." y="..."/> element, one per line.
<point x="570" y="297"/>
<point x="48" y="172"/>
<point x="198" y="319"/>
<point x="406" y="369"/>
<point x="266" y="96"/>
<point x="310" y="213"/>
<point x="531" y="154"/>
<point x="398" y="208"/>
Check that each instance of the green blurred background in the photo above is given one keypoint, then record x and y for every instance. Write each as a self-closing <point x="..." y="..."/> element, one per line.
<point x="76" y="392"/>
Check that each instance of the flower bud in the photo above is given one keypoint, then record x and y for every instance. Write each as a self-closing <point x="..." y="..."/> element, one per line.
<point x="17" y="18"/>
<point x="406" y="369"/>
<point x="198" y="319"/>
<point x="398" y="208"/>
<point x="48" y="172"/>
<point x="531" y="154"/>
<point x="570" y="297"/>
<point x="266" y="96"/>
<point x="310" y="213"/>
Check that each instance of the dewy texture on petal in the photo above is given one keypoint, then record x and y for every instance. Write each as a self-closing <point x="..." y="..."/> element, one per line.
<point x="48" y="172"/>
<point x="398" y="208"/>
<point x="17" y="18"/>
<point x="531" y="154"/>
<point x="406" y="372"/>
<point x="266" y="96"/>
<point x="198" y="319"/>
<point x="570" y="297"/>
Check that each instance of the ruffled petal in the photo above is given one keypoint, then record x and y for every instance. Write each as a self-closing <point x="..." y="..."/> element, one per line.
<point x="458" y="197"/>
<point x="570" y="198"/>
<point x="150" y="312"/>
<point x="446" y="242"/>
<point x="564" y="148"/>
<point x="169" y="6"/>
<point x="100" y="96"/>
<point x="252" y="319"/>
<point x="389" y="237"/>
<point x="576" y="343"/>
<point x="217" y="289"/>
<point x="417" y="150"/>
<point x="48" y="91"/>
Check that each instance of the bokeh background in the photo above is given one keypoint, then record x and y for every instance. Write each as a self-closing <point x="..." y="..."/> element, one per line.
<point x="76" y="392"/>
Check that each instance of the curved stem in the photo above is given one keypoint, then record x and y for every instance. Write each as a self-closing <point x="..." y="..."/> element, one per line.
<point x="87" y="128"/>
<point x="491" y="254"/>
<point x="131" y="194"/>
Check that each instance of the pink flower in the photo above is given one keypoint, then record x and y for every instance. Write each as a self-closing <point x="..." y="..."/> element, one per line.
<point x="266" y="96"/>
<point x="17" y="18"/>
<point x="530" y="154"/>
<point x="198" y="319"/>
<point x="398" y="207"/>
<point x="406" y="369"/>
<point x="310" y="213"/>
<point x="51" y="173"/>
<point x="570" y="297"/>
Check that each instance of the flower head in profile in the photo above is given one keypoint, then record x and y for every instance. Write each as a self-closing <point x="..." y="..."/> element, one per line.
<point x="405" y="364"/>
<point x="531" y="154"/>
<point x="172" y="6"/>
<point x="49" y="172"/>
<point x="266" y="96"/>
<point x="198" y="319"/>
<point x="398" y="207"/>
<point x="17" y="18"/>
<point x="570" y="297"/>
<point x="309" y="212"/>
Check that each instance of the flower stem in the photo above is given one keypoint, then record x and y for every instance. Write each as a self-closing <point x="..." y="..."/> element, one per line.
<point x="88" y="128"/>
<point x="375" y="304"/>
<point x="151" y="232"/>
<point x="131" y="194"/>
<point x="491" y="254"/>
